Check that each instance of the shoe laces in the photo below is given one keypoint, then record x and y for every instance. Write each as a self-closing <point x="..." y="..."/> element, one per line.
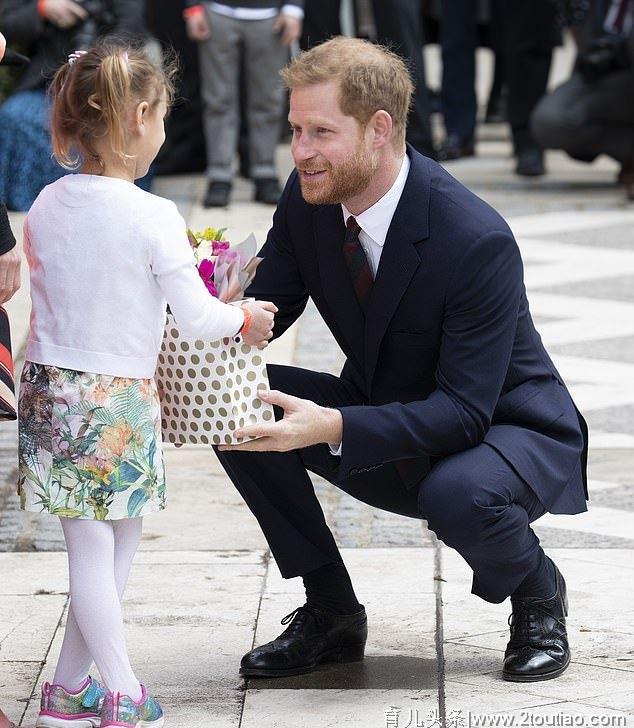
<point x="298" y="617"/>
<point x="523" y="623"/>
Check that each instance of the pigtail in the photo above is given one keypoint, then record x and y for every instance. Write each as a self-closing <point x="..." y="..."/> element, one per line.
<point x="112" y="93"/>
<point x="62" y="126"/>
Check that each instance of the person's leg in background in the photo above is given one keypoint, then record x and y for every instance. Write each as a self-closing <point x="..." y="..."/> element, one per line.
<point x="458" y="35"/>
<point x="264" y="57"/>
<point x="321" y="21"/>
<point x="478" y="505"/>
<point x="184" y="149"/>
<point x="219" y="73"/>
<point x="399" y="25"/>
<point x="530" y="37"/>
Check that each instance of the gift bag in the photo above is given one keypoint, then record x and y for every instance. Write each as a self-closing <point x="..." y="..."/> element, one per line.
<point x="209" y="389"/>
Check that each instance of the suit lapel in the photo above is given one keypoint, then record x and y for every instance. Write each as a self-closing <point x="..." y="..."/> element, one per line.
<point x="347" y="315"/>
<point x="399" y="259"/>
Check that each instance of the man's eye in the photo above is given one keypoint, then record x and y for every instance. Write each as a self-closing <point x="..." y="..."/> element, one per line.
<point x="322" y="130"/>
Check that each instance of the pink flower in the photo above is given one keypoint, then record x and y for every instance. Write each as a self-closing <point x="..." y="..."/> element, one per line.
<point x="218" y="245"/>
<point x="206" y="271"/>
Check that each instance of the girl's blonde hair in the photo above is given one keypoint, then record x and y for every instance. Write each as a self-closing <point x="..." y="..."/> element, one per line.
<point x="93" y="95"/>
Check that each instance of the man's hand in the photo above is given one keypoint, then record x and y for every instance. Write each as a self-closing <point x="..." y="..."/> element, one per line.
<point x="305" y="423"/>
<point x="9" y="274"/>
<point x="198" y="28"/>
<point x="63" y="13"/>
<point x="289" y="27"/>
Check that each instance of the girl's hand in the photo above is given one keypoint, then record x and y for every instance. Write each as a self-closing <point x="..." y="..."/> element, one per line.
<point x="63" y="13"/>
<point x="261" y="328"/>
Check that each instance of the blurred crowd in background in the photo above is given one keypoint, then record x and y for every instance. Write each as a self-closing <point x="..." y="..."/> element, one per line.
<point x="231" y="112"/>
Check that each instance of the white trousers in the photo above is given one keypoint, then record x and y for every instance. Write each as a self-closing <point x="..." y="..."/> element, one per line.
<point x="100" y="555"/>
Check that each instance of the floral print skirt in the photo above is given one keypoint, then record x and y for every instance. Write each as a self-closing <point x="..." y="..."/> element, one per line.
<point x="89" y="444"/>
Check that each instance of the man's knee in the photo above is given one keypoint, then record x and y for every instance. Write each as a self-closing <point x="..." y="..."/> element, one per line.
<point x="550" y="125"/>
<point x="457" y="503"/>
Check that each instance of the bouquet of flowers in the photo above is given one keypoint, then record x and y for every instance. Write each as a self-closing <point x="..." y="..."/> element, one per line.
<point x="226" y="271"/>
<point x="209" y="389"/>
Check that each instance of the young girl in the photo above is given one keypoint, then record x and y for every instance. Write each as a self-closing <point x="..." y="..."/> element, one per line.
<point x="105" y="258"/>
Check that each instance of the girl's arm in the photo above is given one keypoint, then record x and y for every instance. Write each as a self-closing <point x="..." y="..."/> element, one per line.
<point x="197" y="313"/>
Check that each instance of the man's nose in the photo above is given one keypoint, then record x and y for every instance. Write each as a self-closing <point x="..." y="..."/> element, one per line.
<point x="301" y="149"/>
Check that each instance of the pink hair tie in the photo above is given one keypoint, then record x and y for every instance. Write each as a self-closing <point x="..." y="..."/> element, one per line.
<point x="75" y="55"/>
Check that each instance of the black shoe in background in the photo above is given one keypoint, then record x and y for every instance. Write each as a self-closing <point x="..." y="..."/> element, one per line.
<point x="313" y="636"/>
<point x="217" y="194"/>
<point x="454" y="148"/>
<point x="538" y="648"/>
<point x="530" y="162"/>
<point x="267" y="190"/>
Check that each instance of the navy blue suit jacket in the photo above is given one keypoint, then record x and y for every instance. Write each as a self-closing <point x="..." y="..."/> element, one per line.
<point x="448" y="356"/>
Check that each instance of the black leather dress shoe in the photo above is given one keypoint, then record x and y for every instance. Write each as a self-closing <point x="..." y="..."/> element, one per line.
<point x="313" y="636"/>
<point x="454" y="148"/>
<point x="538" y="648"/>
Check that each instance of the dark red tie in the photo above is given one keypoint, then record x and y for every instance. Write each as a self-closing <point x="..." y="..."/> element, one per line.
<point x="358" y="265"/>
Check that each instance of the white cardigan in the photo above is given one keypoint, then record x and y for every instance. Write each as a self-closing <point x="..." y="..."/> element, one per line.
<point x="105" y="258"/>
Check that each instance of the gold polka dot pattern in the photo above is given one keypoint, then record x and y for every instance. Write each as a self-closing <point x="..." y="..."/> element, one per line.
<point x="223" y="401"/>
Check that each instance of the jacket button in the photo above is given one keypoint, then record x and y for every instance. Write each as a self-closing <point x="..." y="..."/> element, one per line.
<point x="354" y="471"/>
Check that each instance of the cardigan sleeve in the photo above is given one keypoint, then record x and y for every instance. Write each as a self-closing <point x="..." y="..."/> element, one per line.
<point x="198" y="315"/>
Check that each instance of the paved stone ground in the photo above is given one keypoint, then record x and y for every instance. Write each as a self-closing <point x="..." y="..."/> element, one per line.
<point x="204" y="589"/>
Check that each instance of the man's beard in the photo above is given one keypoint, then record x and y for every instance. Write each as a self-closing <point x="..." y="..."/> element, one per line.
<point x="342" y="182"/>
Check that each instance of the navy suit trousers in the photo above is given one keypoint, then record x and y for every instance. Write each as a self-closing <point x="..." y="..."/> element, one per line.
<point x="473" y="500"/>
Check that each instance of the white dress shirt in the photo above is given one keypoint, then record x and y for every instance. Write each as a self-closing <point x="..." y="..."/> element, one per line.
<point x="374" y="224"/>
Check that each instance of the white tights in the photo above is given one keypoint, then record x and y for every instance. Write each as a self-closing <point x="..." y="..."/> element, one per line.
<point x="100" y="555"/>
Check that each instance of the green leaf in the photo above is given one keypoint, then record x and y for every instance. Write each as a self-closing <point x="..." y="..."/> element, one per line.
<point x="67" y="512"/>
<point x="136" y="502"/>
<point x="124" y="476"/>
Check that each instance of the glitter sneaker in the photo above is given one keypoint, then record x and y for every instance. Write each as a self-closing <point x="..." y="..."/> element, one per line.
<point x="61" y="709"/>
<point x="121" y="711"/>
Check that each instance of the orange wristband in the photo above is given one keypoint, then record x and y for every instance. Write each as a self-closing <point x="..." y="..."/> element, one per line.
<point x="248" y="320"/>
<point x="40" y="8"/>
<point x="193" y="11"/>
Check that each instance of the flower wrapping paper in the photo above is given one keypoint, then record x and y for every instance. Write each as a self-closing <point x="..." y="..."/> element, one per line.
<point x="209" y="389"/>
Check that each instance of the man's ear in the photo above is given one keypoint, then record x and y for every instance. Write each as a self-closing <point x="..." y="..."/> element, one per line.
<point x="140" y="116"/>
<point x="382" y="125"/>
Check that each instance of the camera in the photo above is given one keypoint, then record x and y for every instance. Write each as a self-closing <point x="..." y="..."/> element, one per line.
<point x="101" y="17"/>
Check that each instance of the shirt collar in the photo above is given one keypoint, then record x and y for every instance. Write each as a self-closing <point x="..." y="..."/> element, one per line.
<point x="376" y="220"/>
